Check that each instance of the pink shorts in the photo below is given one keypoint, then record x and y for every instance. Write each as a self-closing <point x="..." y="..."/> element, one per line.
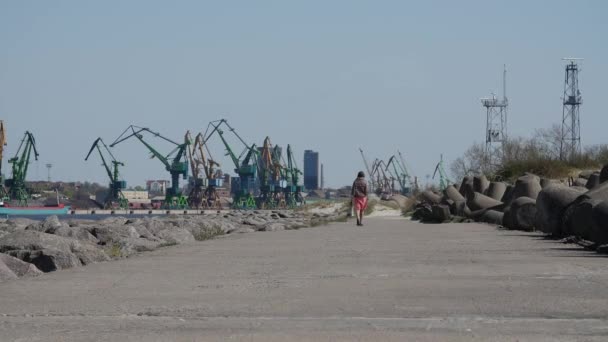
<point x="360" y="203"/>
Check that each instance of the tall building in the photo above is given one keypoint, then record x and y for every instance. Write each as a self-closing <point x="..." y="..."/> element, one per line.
<point x="311" y="170"/>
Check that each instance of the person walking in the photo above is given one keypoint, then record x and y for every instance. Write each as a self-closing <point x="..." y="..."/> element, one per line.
<point x="359" y="196"/>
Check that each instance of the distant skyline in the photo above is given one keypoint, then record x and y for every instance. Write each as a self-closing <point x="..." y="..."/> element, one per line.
<point x="328" y="76"/>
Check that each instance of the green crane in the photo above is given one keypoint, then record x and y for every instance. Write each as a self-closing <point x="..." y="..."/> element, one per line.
<point x="400" y="173"/>
<point x="293" y="191"/>
<point x="243" y="195"/>
<point x="444" y="181"/>
<point x="174" y="162"/>
<point x="20" y="163"/>
<point x="115" y="196"/>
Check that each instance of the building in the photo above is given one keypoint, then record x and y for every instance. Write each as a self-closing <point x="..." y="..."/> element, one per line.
<point x="311" y="170"/>
<point x="157" y="187"/>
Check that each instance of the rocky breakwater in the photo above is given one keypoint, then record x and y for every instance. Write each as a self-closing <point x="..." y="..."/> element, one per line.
<point x="575" y="210"/>
<point x="29" y="248"/>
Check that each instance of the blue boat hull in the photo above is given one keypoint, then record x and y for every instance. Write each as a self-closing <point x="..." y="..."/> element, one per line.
<point x="7" y="211"/>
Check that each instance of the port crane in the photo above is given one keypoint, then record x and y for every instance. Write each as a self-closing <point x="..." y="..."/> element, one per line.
<point x="245" y="167"/>
<point x="293" y="191"/>
<point x="175" y="162"/>
<point x="369" y="170"/>
<point x="444" y="181"/>
<point x="3" y="192"/>
<point x="203" y="192"/>
<point x="115" y="197"/>
<point x="20" y="163"/>
<point x="272" y="177"/>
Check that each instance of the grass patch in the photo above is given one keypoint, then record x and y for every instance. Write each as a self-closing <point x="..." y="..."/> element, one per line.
<point x="206" y="234"/>
<point x="167" y="244"/>
<point x="114" y="251"/>
<point x="371" y="206"/>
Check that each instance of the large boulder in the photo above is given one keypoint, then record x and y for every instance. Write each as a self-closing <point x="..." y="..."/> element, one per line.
<point x="49" y="225"/>
<point x="523" y="213"/>
<point x="77" y="233"/>
<point x="551" y="203"/>
<point x="176" y="235"/>
<point x="19" y="267"/>
<point x="49" y="252"/>
<point x="6" y="273"/>
<point x="480" y="201"/>
<point x="405" y="203"/>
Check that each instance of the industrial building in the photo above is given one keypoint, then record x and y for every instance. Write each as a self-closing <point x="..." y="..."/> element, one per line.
<point x="311" y="170"/>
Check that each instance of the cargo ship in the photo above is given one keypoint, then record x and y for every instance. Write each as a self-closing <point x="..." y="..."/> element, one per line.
<point x="7" y="210"/>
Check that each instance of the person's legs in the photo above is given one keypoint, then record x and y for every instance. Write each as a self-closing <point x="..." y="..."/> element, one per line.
<point x="361" y="217"/>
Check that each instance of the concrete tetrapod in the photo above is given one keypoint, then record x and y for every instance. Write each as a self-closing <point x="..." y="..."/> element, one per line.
<point x="523" y="213"/>
<point x="459" y="202"/>
<point x="466" y="187"/>
<point x="593" y="181"/>
<point x="599" y="231"/>
<point x="441" y="213"/>
<point x="526" y="186"/>
<point x="551" y="203"/>
<point x="480" y="183"/>
<point x="480" y="201"/>
<point x="430" y="197"/>
<point x="575" y="220"/>
<point x="496" y="190"/>
<point x="492" y="216"/>
<point x="604" y="174"/>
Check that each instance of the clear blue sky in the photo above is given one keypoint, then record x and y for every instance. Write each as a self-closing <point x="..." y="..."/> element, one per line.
<point x="324" y="75"/>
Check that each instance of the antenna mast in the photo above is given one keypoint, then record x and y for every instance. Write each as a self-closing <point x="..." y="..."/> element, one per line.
<point x="570" y="145"/>
<point x="496" y="126"/>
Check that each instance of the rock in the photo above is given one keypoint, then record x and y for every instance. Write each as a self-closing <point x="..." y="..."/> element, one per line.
<point x="479" y="201"/>
<point x="492" y="217"/>
<point x="272" y="227"/>
<point x="241" y="230"/>
<point x="76" y="233"/>
<point x="593" y="181"/>
<point x="523" y="213"/>
<point x="176" y="235"/>
<point x="111" y="234"/>
<point x="430" y="197"/>
<point x="47" y="260"/>
<point x="49" y="225"/>
<point x="551" y="203"/>
<point x="6" y="273"/>
<point x="18" y="267"/>
<point x="526" y="186"/>
<point x="575" y="220"/>
<point x="480" y="183"/>
<point x="496" y="190"/>
<point x="49" y="252"/>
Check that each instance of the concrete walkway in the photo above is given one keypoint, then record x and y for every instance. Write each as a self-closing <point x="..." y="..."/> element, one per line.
<point x="391" y="280"/>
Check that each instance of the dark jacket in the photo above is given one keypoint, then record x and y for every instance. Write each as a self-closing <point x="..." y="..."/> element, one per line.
<point x="359" y="187"/>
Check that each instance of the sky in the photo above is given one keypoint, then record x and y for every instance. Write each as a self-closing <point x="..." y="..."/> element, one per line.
<point x="331" y="76"/>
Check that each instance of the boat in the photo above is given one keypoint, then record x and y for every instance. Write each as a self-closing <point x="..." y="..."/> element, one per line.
<point x="7" y="210"/>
